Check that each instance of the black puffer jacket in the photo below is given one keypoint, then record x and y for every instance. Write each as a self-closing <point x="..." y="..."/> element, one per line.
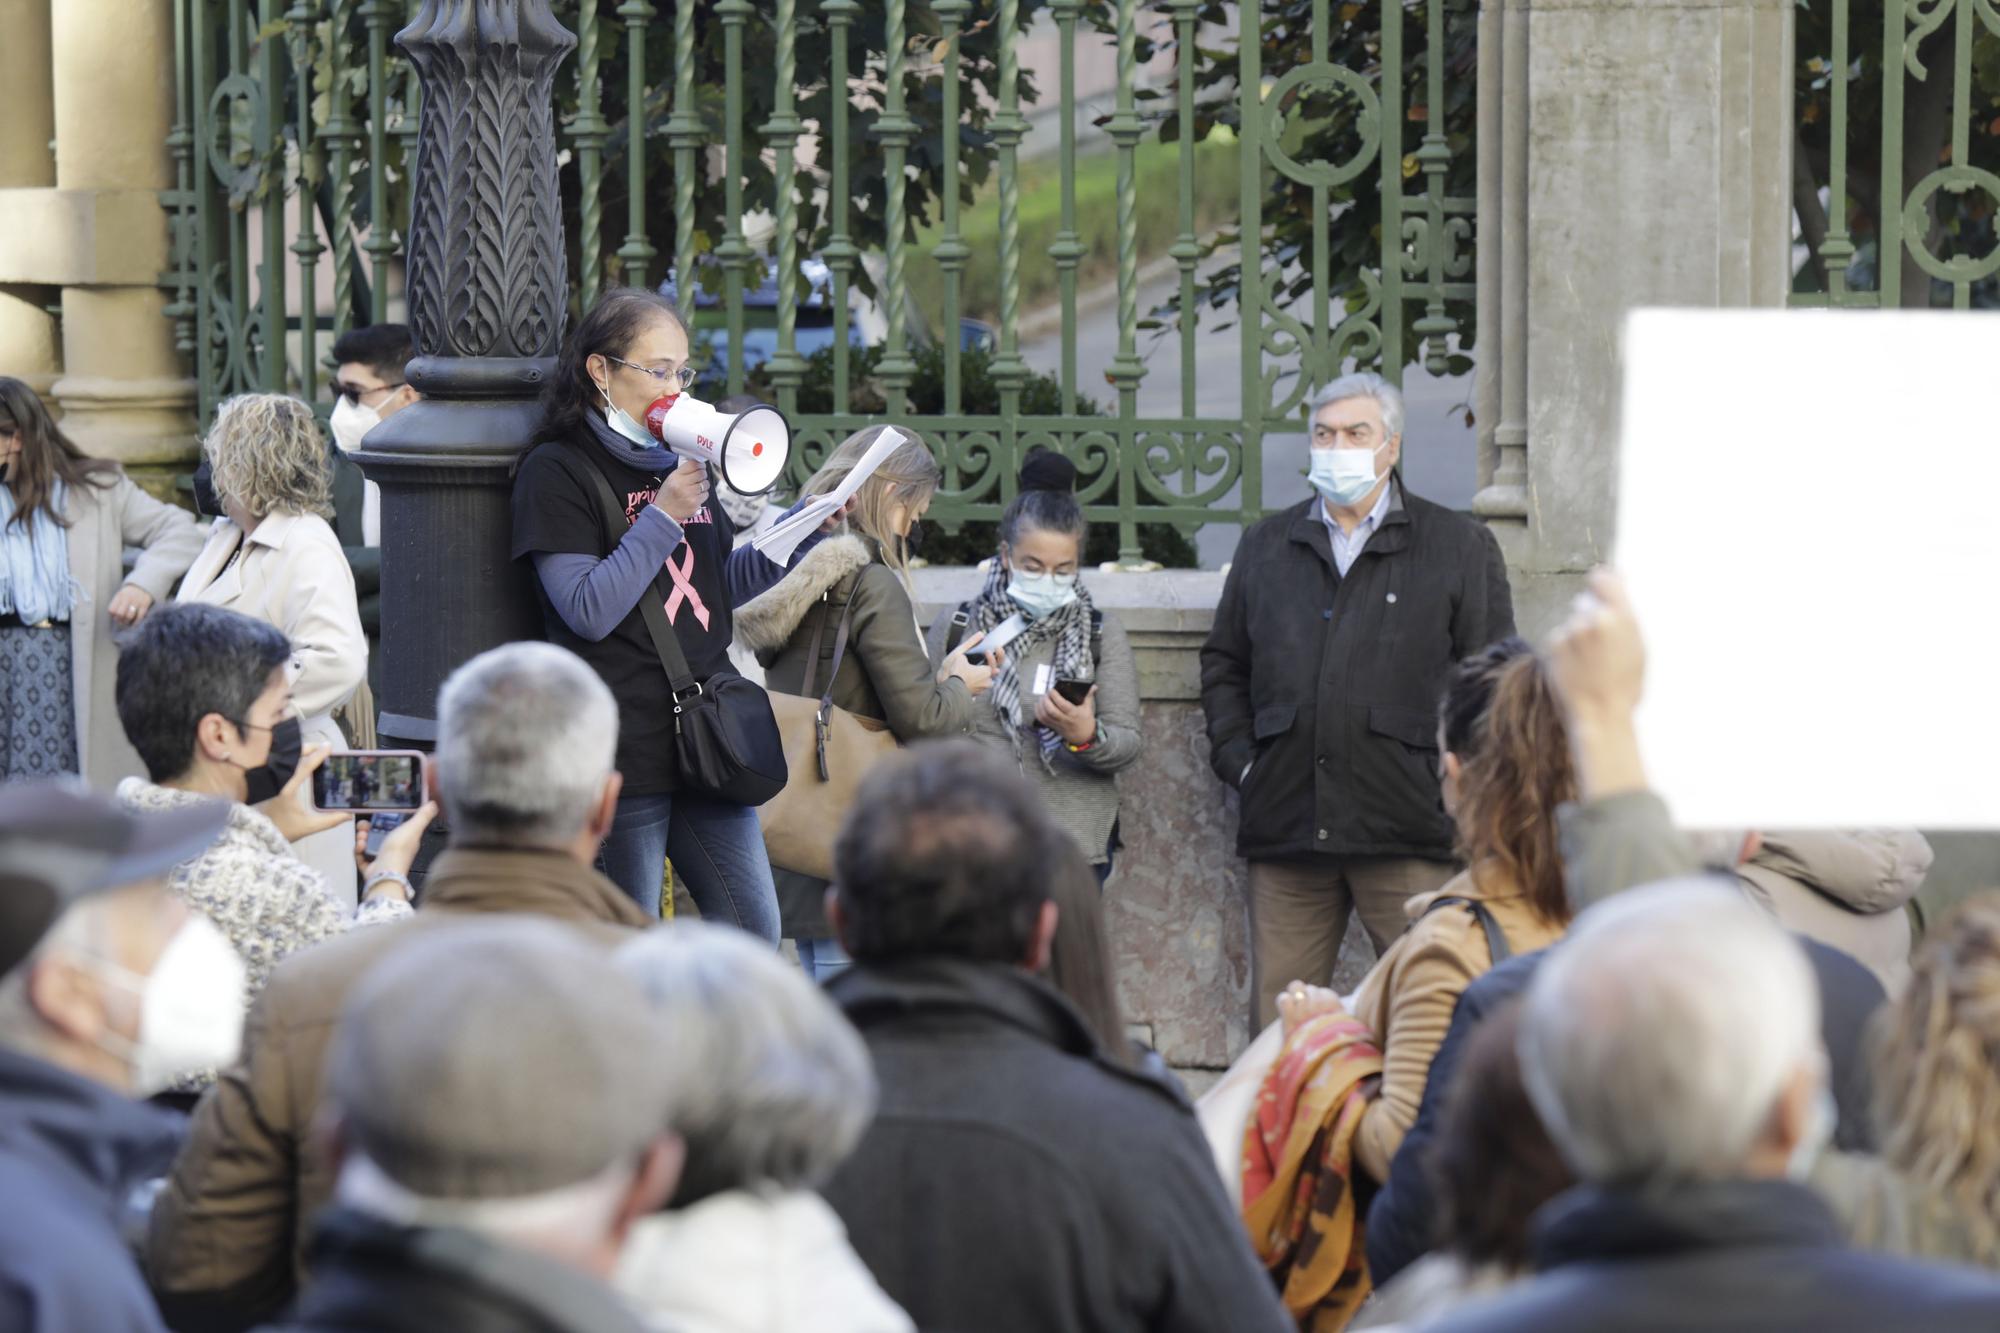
<point x="1330" y="685"/>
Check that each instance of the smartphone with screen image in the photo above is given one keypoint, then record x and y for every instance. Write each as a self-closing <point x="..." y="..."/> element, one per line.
<point x="1002" y="634"/>
<point x="368" y="781"/>
<point x="1076" y="691"/>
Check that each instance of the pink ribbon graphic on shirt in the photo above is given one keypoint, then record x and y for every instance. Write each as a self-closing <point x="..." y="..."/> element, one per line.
<point x="684" y="590"/>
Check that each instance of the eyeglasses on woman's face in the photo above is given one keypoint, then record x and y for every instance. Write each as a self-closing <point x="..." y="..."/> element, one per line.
<point x="671" y="378"/>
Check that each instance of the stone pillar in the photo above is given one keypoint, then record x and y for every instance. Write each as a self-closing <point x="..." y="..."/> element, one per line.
<point x="27" y="162"/>
<point x="1653" y="139"/>
<point x="125" y="393"/>
<point x="487" y="292"/>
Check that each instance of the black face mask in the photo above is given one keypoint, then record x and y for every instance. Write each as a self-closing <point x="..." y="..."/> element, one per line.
<point x="269" y="778"/>
<point x="913" y="540"/>
<point x="206" y="502"/>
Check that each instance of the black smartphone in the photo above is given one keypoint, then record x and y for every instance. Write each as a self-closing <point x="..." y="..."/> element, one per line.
<point x="370" y="780"/>
<point x="1076" y="691"/>
<point x="380" y="826"/>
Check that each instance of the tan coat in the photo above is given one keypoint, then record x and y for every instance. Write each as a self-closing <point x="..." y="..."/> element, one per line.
<point x="103" y="522"/>
<point x="232" y="1222"/>
<point x="1845" y="887"/>
<point x="1409" y="996"/>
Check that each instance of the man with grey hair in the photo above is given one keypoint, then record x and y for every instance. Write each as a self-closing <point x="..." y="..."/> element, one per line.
<point x="1338" y="624"/>
<point x="526" y="735"/>
<point x="493" y="1156"/>
<point x="1671" y="1048"/>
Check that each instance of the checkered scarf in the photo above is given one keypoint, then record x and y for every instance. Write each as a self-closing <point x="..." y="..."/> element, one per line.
<point x="1070" y="657"/>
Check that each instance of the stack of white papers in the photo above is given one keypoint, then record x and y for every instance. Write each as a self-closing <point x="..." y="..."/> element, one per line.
<point x="784" y="536"/>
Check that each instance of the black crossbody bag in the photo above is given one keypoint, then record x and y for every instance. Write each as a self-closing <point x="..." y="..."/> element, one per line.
<point x="726" y="740"/>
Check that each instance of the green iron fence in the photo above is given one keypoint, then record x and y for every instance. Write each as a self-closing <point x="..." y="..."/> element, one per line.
<point x="1898" y="146"/>
<point x="681" y="122"/>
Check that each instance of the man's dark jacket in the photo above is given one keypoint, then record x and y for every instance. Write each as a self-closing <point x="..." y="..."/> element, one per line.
<point x="71" y="1153"/>
<point x="1728" y="1256"/>
<point x="1331" y="684"/>
<point x="349" y="496"/>
<point x="1404" y="1215"/>
<point x="1016" y="1179"/>
<point x="368" y="1274"/>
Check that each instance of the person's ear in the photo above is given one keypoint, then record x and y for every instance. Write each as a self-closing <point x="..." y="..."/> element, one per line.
<point x="403" y="397"/>
<point x="69" y="999"/>
<point x="599" y="369"/>
<point x="216" y="737"/>
<point x="1753" y="843"/>
<point x="836" y="918"/>
<point x="1042" y="940"/>
<point x="607" y="806"/>
<point x="658" y="1176"/>
<point x="1792" y="1116"/>
<point x="1395" y="452"/>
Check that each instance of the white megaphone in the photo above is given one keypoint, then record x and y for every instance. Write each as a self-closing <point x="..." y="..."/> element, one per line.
<point x="750" y="449"/>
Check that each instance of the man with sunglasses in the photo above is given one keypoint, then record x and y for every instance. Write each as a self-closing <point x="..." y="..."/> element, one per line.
<point x="368" y="388"/>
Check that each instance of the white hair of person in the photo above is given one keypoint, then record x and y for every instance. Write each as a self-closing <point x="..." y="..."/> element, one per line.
<point x="774" y="1086"/>
<point x="79" y="930"/>
<point x="566" y="1221"/>
<point x="527" y="735"/>
<point x="1660" y="1034"/>
<point x="1366" y="384"/>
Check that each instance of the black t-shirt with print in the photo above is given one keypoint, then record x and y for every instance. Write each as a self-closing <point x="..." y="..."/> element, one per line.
<point x="556" y="509"/>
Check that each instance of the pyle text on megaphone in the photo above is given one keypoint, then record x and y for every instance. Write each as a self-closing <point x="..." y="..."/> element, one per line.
<point x="750" y="449"/>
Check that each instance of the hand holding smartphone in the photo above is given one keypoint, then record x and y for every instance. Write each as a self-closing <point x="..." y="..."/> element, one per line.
<point x="368" y="781"/>
<point x="1075" y="691"/>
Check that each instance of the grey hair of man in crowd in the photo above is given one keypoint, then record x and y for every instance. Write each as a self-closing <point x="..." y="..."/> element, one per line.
<point x="527" y="735"/>
<point x="1366" y="384"/>
<point x="774" y="1086"/>
<point x="1669" y="1034"/>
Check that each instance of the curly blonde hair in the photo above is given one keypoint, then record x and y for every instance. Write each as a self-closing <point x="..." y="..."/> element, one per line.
<point x="269" y="456"/>
<point x="1937" y="1069"/>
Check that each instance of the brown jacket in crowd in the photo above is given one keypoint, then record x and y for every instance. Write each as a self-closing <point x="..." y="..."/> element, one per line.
<point x="229" y="1230"/>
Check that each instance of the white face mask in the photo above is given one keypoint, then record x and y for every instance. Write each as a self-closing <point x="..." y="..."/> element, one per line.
<point x="621" y="421"/>
<point x="350" y="422"/>
<point x="190" y="1007"/>
<point x="1041" y="594"/>
<point x="1344" y="475"/>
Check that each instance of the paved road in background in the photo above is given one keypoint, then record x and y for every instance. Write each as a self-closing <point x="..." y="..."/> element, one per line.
<point x="1438" y="449"/>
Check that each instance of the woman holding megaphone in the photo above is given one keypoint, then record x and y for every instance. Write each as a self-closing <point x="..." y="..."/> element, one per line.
<point x="637" y="573"/>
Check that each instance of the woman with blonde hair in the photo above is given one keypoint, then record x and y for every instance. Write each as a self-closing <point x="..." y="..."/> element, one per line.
<point x="860" y="580"/>
<point x="1934" y="1193"/>
<point x="65" y="522"/>
<point x="272" y="556"/>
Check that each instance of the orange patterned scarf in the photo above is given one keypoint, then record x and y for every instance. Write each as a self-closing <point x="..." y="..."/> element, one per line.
<point x="1298" y="1193"/>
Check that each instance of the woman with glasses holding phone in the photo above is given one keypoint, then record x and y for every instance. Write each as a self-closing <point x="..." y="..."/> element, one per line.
<point x="65" y="522"/>
<point x="593" y="570"/>
<point x="1065" y="702"/>
<point x="273" y="556"/>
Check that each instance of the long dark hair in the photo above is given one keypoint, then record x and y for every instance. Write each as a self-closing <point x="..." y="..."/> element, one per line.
<point x="1080" y="963"/>
<point x="610" y="329"/>
<point x="47" y="456"/>
<point x="1502" y="720"/>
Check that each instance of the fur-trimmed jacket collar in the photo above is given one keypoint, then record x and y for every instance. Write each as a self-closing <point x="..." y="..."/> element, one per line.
<point x="767" y="622"/>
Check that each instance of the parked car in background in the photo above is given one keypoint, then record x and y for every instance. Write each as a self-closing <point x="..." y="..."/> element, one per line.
<point x="867" y="319"/>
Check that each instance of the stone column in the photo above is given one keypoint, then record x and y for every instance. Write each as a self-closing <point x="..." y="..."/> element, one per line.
<point x="27" y="330"/>
<point x="1641" y="152"/>
<point x="125" y="393"/>
<point x="487" y="292"/>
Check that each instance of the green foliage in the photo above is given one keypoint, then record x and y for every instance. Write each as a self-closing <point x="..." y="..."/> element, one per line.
<point x="1156" y="171"/>
<point x="971" y="540"/>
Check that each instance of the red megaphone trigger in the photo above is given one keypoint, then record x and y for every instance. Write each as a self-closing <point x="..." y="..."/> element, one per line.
<point x="656" y="416"/>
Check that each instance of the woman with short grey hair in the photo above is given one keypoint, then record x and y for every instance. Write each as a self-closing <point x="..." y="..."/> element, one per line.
<point x="775" y="1090"/>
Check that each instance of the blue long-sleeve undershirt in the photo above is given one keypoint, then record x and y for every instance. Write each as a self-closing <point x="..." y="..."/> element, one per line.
<point x="594" y="595"/>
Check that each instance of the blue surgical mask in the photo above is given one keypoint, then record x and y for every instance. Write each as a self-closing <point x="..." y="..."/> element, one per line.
<point x="1041" y="595"/>
<point x="1343" y="475"/>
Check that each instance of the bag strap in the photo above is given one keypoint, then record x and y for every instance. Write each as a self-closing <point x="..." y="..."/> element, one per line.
<point x="839" y="646"/>
<point x="1096" y="637"/>
<point x="959" y="620"/>
<point x="1496" y="939"/>
<point x="652" y="607"/>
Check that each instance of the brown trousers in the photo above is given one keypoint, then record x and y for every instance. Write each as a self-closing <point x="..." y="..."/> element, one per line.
<point x="1299" y="911"/>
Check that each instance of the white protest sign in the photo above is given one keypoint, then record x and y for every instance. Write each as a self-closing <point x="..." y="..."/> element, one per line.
<point x="783" y="537"/>
<point x="1809" y="526"/>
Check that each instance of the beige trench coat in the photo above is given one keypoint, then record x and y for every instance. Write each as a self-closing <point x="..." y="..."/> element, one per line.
<point x="103" y="522"/>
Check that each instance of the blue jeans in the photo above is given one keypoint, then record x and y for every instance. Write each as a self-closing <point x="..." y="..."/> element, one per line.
<point x="823" y="960"/>
<point x="715" y="846"/>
